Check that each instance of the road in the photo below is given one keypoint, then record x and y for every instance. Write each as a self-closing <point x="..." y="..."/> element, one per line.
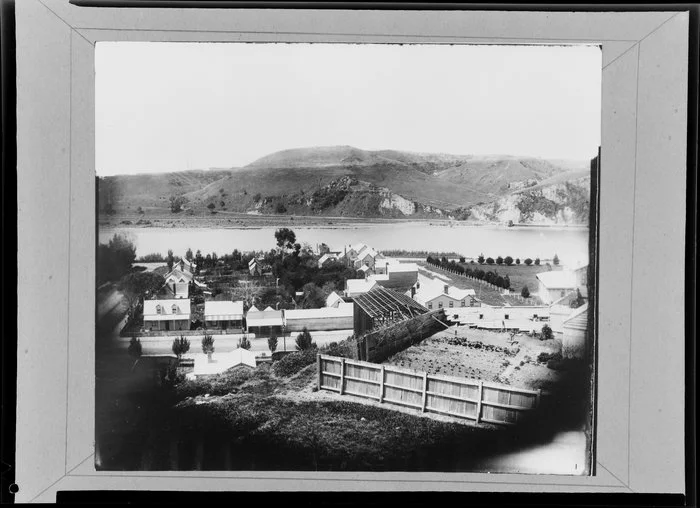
<point x="229" y="342"/>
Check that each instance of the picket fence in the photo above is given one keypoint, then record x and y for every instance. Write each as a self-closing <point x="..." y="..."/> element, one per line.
<point x="476" y="400"/>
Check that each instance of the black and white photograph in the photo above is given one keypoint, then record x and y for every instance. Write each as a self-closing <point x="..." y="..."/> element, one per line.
<point x="346" y="257"/>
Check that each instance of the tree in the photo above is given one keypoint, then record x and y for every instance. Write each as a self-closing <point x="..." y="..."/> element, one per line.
<point x="280" y="208"/>
<point x="323" y="249"/>
<point x="525" y="292"/>
<point x="506" y="282"/>
<point x="214" y="259"/>
<point x="489" y="261"/>
<point x="114" y="259"/>
<point x="508" y="260"/>
<point x="546" y="333"/>
<point x="139" y="284"/>
<point x="528" y="261"/>
<point x="499" y="260"/>
<point x="170" y="259"/>
<point x="135" y="350"/>
<point x="181" y="345"/>
<point x="285" y="238"/>
<point x="462" y="260"/>
<point x="272" y="343"/>
<point x="198" y="261"/>
<point x="555" y="260"/>
<point x="304" y="341"/>
<point x="481" y="259"/>
<point x="244" y="343"/>
<point x="208" y="344"/>
<point x="188" y="255"/>
<point x="517" y="261"/>
<point x="313" y="296"/>
<point x="537" y="261"/>
<point x="176" y="203"/>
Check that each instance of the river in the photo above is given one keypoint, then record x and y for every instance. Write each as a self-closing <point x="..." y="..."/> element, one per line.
<point x="570" y="244"/>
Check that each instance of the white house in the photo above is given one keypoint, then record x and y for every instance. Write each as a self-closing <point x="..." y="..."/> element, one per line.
<point x="223" y="315"/>
<point x="264" y="322"/>
<point x="575" y="332"/>
<point x="366" y="257"/>
<point x="218" y="363"/>
<point x="166" y="314"/>
<point x="364" y="270"/>
<point x="354" y="287"/>
<point x="436" y="295"/>
<point x="177" y="276"/>
<point x="353" y="251"/>
<point x="556" y="284"/>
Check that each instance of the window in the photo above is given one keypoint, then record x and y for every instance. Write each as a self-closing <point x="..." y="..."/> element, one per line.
<point x="481" y="316"/>
<point x="451" y="304"/>
<point x="430" y="305"/>
<point x="174" y="309"/>
<point x="506" y="316"/>
<point x="464" y="304"/>
<point x="158" y="309"/>
<point x="439" y="305"/>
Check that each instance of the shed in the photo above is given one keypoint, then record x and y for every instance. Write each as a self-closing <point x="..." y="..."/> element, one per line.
<point x="381" y="306"/>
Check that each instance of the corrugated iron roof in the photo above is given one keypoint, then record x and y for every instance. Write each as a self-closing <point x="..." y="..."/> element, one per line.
<point x="380" y="301"/>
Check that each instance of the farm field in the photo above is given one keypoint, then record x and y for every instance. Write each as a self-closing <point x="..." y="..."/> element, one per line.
<point x="482" y="354"/>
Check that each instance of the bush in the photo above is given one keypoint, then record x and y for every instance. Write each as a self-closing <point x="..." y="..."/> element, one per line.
<point x="272" y="343"/>
<point x="555" y="260"/>
<point x="517" y="261"/>
<point x="342" y="350"/>
<point x="525" y="292"/>
<point x="293" y="362"/>
<point x="481" y="259"/>
<point x="537" y="261"/>
<point x="304" y="340"/>
<point x="244" y="343"/>
<point x="546" y="333"/>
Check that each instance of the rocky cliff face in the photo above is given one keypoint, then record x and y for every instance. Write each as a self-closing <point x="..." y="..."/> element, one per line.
<point x="563" y="203"/>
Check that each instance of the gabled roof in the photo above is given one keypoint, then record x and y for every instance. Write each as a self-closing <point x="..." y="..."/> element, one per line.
<point x="402" y="267"/>
<point x="215" y="311"/>
<point x="364" y="269"/>
<point x="327" y="257"/>
<point x="221" y="362"/>
<point x="178" y="275"/>
<point x="561" y="279"/>
<point x="150" y="309"/>
<point x="333" y="299"/>
<point x="429" y="292"/>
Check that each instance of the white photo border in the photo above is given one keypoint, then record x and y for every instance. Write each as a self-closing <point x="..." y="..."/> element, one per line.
<point x="640" y="443"/>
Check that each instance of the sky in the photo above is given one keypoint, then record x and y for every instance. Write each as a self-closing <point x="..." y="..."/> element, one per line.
<point x="164" y="107"/>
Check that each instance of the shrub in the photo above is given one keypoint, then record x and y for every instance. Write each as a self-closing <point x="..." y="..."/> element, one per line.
<point x="272" y="343"/>
<point x="481" y="259"/>
<point x="525" y="292"/>
<point x="517" y="261"/>
<point x="181" y="345"/>
<point x="244" y="343"/>
<point x="555" y="259"/>
<point x="292" y="363"/>
<point x="219" y="384"/>
<point x="546" y="333"/>
<point x="304" y="340"/>
<point x="207" y="344"/>
<point x="537" y="261"/>
<point x="280" y="208"/>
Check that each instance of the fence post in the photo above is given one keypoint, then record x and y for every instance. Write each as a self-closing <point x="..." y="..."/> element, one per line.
<point x="425" y="391"/>
<point x="319" y="369"/>
<point x="342" y="375"/>
<point x="478" y="403"/>
<point x="381" y="386"/>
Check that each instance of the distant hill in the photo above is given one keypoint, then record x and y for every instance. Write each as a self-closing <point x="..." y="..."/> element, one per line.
<point x="344" y="180"/>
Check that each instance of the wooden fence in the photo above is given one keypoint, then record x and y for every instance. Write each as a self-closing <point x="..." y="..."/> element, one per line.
<point x="460" y="397"/>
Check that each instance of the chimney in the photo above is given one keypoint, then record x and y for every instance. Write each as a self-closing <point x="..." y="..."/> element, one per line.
<point x="413" y="291"/>
<point x="447" y="289"/>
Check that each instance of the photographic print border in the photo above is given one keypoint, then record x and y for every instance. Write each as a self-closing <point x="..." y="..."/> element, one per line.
<point x="643" y="157"/>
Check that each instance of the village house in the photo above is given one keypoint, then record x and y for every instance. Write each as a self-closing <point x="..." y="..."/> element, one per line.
<point x="399" y="276"/>
<point x="264" y="323"/>
<point x="185" y="265"/>
<point x="366" y="257"/>
<point x="327" y="258"/>
<point x="254" y="267"/>
<point x="352" y="251"/>
<point x="438" y="296"/>
<point x="218" y="363"/>
<point x="224" y="315"/>
<point x="334" y="299"/>
<point x="354" y="287"/>
<point x="166" y="315"/>
<point x="555" y="284"/>
<point x="364" y="271"/>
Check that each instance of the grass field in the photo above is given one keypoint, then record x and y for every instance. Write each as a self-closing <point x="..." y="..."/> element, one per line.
<point x="519" y="275"/>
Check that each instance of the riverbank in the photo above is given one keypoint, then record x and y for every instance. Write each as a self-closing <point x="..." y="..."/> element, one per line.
<point x="225" y="220"/>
